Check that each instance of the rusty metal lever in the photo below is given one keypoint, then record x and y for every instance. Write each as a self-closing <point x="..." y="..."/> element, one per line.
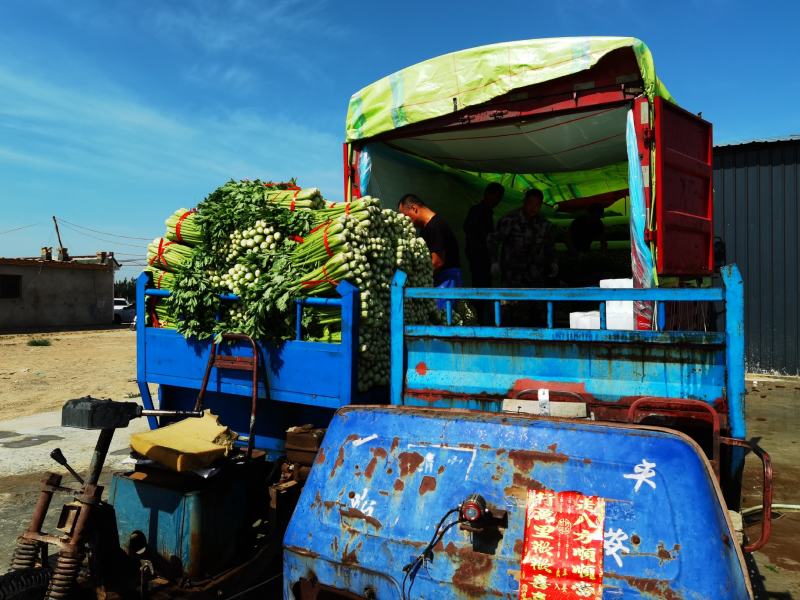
<point x="766" y="492"/>
<point x="57" y="455"/>
<point x="649" y="406"/>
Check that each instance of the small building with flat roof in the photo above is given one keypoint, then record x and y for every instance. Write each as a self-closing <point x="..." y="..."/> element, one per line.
<point x="45" y="293"/>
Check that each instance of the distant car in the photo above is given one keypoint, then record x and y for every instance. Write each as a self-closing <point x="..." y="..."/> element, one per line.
<point x="124" y="311"/>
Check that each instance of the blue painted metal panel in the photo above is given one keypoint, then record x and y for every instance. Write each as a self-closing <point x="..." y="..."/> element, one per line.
<point x="309" y="379"/>
<point x="673" y="338"/>
<point x="386" y="475"/>
<point x="172" y="359"/>
<point x="468" y="373"/>
<point x="477" y="367"/>
<point x="196" y="531"/>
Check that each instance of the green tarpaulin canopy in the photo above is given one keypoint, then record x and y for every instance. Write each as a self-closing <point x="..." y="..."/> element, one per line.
<point x="567" y="156"/>
<point x="427" y="90"/>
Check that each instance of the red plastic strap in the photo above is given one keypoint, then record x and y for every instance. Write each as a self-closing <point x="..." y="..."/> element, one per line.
<point x="346" y="206"/>
<point x="297" y="191"/>
<point x="316" y="282"/>
<point x="162" y="260"/>
<point x="180" y="222"/>
<point x="320" y="226"/>
<point x="154" y="316"/>
<point x="296" y="238"/>
<point x="160" y="277"/>
<point x="325" y="240"/>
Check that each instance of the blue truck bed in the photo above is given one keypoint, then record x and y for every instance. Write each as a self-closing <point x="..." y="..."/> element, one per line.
<point x="467" y="367"/>
<point x="307" y="380"/>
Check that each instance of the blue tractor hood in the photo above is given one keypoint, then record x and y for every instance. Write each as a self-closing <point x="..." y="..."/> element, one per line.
<point x="385" y="477"/>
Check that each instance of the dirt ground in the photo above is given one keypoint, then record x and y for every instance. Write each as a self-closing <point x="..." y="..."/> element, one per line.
<point x="773" y="420"/>
<point x="36" y="379"/>
<point x="102" y="363"/>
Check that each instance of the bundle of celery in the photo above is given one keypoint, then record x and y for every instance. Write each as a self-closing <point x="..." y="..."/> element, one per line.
<point x="295" y="198"/>
<point x="158" y="314"/>
<point x="182" y="227"/>
<point x="162" y="280"/>
<point x="168" y="256"/>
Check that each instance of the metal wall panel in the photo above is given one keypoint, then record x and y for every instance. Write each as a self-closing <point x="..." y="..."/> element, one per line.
<point x="756" y="193"/>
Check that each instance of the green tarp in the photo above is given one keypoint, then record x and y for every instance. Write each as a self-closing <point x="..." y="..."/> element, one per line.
<point x="427" y="90"/>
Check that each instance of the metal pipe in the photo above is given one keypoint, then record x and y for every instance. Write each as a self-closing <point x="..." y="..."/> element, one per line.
<point x="43" y="503"/>
<point x="171" y="413"/>
<point x="298" y="320"/>
<point x="591" y="294"/>
<point x="320" y="301"/>
<point x="99" y="457"/>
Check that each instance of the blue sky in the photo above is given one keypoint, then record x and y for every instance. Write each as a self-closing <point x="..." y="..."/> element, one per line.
<point x="113" y="114"/>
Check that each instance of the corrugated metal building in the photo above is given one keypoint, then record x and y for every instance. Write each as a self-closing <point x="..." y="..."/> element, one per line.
<point x="756" y="194"/>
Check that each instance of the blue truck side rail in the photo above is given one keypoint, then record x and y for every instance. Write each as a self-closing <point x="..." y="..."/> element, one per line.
<point x="310" y="379"/>
<point x="476" y="367"/>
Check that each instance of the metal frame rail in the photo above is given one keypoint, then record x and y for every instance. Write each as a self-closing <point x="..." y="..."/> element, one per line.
<point x="731" y="339"/>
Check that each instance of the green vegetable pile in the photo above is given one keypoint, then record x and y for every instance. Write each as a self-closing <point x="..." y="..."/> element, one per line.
<point x="271" y="243"/>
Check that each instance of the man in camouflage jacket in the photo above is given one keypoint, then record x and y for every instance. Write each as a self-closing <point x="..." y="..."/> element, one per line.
<point x="522" y="247"/>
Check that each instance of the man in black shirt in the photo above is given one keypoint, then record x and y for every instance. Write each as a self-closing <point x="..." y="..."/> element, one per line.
<point x="439" y="237"/>
<point x="586" y="229"/>
<point x="477" y="227"/>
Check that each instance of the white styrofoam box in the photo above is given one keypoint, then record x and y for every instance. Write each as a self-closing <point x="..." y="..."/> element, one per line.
<point x="616" y="283"/>
<point x="619" y="319"/>
<point x="619" y="315"/>
<point x="584" y="320"/>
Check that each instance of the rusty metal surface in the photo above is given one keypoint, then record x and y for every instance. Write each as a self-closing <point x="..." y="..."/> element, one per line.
<point x="240" y="363"/>
<point x="386" y="475"/>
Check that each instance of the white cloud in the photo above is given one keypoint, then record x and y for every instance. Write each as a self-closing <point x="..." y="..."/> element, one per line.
<point x="94" y="131"/>
<point x="222" y="75"/>
<point x="241" y="24"/>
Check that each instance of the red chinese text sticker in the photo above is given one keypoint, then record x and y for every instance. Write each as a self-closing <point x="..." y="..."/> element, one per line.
<point x="562" y="556"/>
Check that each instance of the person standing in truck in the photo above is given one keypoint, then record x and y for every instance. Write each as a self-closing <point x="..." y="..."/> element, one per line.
<point x="477" y="227"/>
<point x="522" y="246"/>
<point x="587" y="267"/>
<point x="587" y="229"/>
<point x="438" y="236"/>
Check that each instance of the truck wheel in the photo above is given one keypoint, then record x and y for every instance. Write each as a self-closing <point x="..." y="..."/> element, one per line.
<point x="25" y="584"/>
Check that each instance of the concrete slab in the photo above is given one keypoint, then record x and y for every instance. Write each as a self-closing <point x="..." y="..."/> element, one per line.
<point x="26" y="442"/>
